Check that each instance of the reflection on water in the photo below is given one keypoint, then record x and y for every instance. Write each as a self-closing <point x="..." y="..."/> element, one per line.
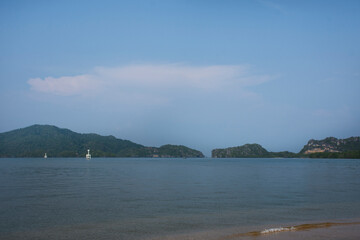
<point x="139" y="198"/>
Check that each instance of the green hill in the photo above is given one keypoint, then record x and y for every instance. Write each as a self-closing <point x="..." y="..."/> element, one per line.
<point x="36" y="140"/>
<point x="176" y="150"/>
<point x="249" y="151"/>
<point x="245" y="151"/>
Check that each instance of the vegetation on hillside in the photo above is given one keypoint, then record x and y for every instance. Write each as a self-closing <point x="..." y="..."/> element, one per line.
<point x="348" y="154"/>
<point x="249" y="151"/>
<point x="327" y="148"/>
<point x="331" y="144"/>
<point x="36" y="140"/>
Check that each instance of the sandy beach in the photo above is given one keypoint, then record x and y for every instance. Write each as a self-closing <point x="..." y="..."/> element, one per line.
<point x="344" y="230"/>
<point x="341" y="230"/>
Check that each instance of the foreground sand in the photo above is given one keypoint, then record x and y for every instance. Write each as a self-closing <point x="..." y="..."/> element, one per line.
<point x="344" y="230"/>
<point x="329" y="230"/>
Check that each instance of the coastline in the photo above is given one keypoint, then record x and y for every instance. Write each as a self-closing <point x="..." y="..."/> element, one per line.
<point x="331" y="230"/>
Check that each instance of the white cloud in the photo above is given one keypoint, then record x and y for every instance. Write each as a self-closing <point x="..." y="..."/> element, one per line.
<point x="65" y="85"/>
<point x="151" y="82"/>
<point x="172" y="75"/>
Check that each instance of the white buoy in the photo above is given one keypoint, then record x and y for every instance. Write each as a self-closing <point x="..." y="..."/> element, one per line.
<point x="88" y="155"/>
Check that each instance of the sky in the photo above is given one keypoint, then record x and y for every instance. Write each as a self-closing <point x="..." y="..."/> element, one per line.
<point x="204" y="74"/>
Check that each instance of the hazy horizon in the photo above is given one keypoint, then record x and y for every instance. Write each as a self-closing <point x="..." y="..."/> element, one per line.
<point x="204" y="74"/>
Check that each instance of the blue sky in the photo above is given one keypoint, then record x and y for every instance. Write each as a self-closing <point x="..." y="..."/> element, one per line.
<point x="205" y="74"/>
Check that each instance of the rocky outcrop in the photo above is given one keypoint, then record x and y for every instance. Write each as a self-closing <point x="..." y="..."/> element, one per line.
<point x="331" y="145"/>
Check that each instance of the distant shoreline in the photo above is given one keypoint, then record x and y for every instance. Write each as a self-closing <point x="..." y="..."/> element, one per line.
<point x="190" y="158"/>
<point x="40" y="140"/>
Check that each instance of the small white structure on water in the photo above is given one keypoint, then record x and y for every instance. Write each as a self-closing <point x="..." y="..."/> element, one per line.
<point x="88" y="155"/>
<point x="45" y="156"/>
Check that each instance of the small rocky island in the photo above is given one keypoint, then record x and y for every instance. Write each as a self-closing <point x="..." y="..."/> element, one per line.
<point x="249" y="151"/>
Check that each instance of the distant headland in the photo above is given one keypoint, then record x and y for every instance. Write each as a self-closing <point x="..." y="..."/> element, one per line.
<point x="327" y="148"/>
<point x="36" y="140"/>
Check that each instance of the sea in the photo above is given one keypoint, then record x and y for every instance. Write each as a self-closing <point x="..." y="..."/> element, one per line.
<point x="176" y="198"/>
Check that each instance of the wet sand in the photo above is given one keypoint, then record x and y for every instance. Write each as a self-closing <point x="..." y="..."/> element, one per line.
<point x="345" y="230"/>
<point x="314" y="231"/>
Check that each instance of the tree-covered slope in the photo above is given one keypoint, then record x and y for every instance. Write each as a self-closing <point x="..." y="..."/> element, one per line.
<point x="36" y="140"/>
<point x="245" y="151"/>
<point x="250" y="151"/>
<point x="177" y="150"/>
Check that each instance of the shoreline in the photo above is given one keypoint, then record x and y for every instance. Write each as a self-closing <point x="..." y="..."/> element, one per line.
<point x="346" y="229"/>
<point x="293" y="230"/>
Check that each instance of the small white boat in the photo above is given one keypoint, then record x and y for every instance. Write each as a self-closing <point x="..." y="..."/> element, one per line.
<point x="88" y="155"/>
<point x="45" y="156"/>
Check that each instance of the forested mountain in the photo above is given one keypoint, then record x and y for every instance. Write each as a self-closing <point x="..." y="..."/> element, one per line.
<point x="36" y="140"/>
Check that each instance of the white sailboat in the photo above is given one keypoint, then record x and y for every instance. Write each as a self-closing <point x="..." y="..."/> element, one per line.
<point x="45" y="156"/>
<point x="88" y="155"/>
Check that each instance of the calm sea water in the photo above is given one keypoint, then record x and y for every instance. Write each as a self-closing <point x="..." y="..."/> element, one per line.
<point x="108" y="198"/>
